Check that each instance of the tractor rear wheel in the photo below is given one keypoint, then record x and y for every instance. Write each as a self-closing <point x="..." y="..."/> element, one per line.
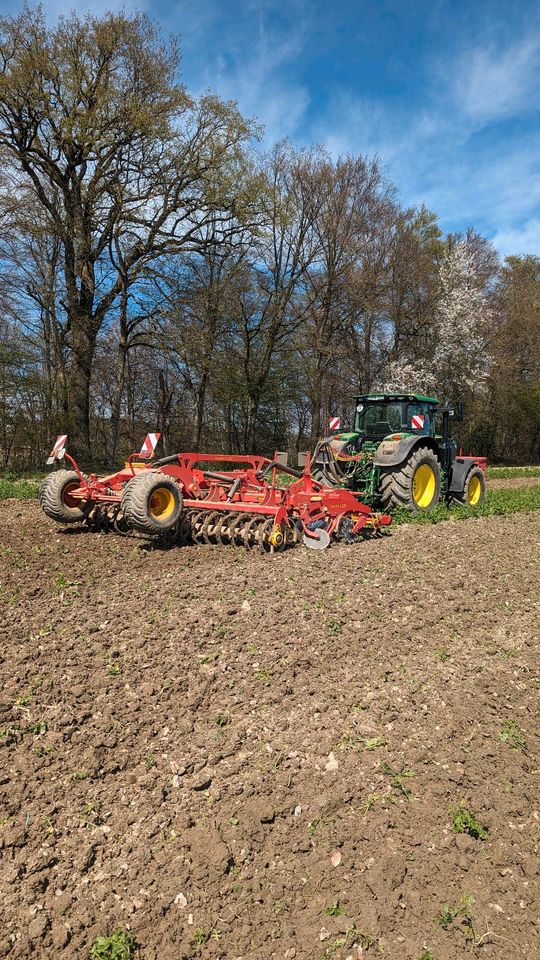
<point x="55" y="497"/>
<point x="474" y="489"/>
<point x="152" y="502"/>
<point x="416" y="485"/>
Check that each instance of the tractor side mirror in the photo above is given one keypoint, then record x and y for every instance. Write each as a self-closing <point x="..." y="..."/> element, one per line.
<point x="455" y="410"/>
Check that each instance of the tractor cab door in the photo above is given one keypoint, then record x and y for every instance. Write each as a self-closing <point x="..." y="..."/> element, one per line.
<point x="421" y="418"/>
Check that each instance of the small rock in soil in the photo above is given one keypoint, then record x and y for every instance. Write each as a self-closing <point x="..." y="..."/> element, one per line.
<point x="332" y="763"/>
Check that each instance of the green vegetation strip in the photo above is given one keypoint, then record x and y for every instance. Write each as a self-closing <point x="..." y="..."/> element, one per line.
<point x="497" y="503"/>
<point x="512" y="473"/>
<point x="17" y="488"/>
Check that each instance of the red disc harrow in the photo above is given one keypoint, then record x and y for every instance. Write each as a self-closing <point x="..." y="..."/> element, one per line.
<point x="208" y="498"/>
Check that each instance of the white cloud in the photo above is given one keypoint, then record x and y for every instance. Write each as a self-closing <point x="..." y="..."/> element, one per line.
<point x="522" y="239"/>
<point x="257" y="70"/>
<point x="436" y="152"/>
<point x="491" y="84"/>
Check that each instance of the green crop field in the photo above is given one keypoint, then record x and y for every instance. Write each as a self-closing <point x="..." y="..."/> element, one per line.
<point x="497" y="503"/>
<point x="512" y="473"/>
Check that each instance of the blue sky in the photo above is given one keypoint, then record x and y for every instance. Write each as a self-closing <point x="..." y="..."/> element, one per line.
<point x="445" y="93"/>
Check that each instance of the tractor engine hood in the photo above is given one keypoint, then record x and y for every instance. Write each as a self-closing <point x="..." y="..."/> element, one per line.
<point x="338" y="441"/>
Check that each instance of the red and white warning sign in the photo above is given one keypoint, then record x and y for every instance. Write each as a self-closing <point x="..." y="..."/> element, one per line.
<point x="58" y="450"/>
<point x="417" y="422"/>
<point x="335" y="423"/>
<point x="149" y="445"/>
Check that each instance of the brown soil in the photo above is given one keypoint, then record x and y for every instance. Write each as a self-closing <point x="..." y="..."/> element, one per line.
<point x="512" y="482"/>
<point x="246" y="756"/>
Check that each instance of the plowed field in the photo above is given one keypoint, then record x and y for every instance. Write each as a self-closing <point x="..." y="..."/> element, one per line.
<point x="245" y="756"/>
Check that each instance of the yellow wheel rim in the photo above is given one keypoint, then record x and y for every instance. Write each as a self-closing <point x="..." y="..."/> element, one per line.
<point x="424" y="486"/>
<point x="162" y="503"/>
<point x="474" y="491"/>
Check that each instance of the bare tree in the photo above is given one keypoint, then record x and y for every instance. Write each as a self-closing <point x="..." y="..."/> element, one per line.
<point x="111" y="144"/>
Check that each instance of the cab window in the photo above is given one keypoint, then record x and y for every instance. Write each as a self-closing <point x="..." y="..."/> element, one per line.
<point x="378" y="418"/>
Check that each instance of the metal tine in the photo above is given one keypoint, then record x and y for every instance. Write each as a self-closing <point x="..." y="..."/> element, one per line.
<point x="249" y="534"/>
<point x="208" y="527"/>
<point x="220" y="529"/>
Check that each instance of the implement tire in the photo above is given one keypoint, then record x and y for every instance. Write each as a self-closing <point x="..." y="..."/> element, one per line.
<point x="474" y="489"/>
<point x="55" y="499"/>
<point x="152" y="502"/>
<point x="416" y="485"/>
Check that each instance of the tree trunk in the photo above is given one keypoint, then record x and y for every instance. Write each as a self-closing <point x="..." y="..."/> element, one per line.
<point x="83" y="349"/>
<point x="251" y="424"/>
<point x="164" y="403"/>
<point x="200" y="398"/>
<point x="316" y="403"/>
<point x="116" y="404"/>
<point x="121" y="361"/>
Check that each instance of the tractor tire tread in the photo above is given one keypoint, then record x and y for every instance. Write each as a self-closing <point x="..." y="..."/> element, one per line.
<point x="396" y="486"/>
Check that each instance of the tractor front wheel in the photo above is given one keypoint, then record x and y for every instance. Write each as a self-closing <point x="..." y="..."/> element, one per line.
<point x="56" y="500"/>
<point x="415" y="485"/>
<point x="474" y="489"/>
<point x="152" y="502"/>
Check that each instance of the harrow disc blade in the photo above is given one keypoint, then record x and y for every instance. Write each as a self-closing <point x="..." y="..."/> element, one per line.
<point x="197" y="520"/>
<point x="320" y="541"/>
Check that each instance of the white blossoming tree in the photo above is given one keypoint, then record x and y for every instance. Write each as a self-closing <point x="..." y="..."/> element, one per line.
<point x="459" y="359"/>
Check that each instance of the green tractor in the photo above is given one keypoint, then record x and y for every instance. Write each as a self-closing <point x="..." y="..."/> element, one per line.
<point x="400" y="453"/>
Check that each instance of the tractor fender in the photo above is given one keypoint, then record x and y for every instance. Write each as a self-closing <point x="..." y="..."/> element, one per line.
<point x="459" y="471"/>
<point x="390" y="452"/>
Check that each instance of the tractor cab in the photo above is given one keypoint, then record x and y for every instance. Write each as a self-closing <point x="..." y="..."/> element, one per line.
<point x="379" y="415"/>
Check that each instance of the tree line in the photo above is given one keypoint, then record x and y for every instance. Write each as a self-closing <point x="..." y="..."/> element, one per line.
<point x="158" y="270"/>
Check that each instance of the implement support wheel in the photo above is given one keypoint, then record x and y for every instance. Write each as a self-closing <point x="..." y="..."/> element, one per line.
<point x="152" y="502"/>
<point x="55" y="497"/>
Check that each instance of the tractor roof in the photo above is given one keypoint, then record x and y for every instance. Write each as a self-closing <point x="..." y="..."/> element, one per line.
<point x="395" y="396"/>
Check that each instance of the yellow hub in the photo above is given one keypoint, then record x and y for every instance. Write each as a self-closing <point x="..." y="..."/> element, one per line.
<point x="424" y="486"/>
<point x="474" y="491"/>
<point x="162" y="503"/>
<point x="276" y="536"/>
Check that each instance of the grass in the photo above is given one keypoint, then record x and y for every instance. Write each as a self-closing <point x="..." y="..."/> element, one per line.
<point x="17" y="488"/>
<point x="351" y="938"/>
<point x="120" y="945"/>
<point x="262" y="676"/>
<point x="334" y="910"/>
<point x="463" y="912"/>
<point x="348" y="742"/>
